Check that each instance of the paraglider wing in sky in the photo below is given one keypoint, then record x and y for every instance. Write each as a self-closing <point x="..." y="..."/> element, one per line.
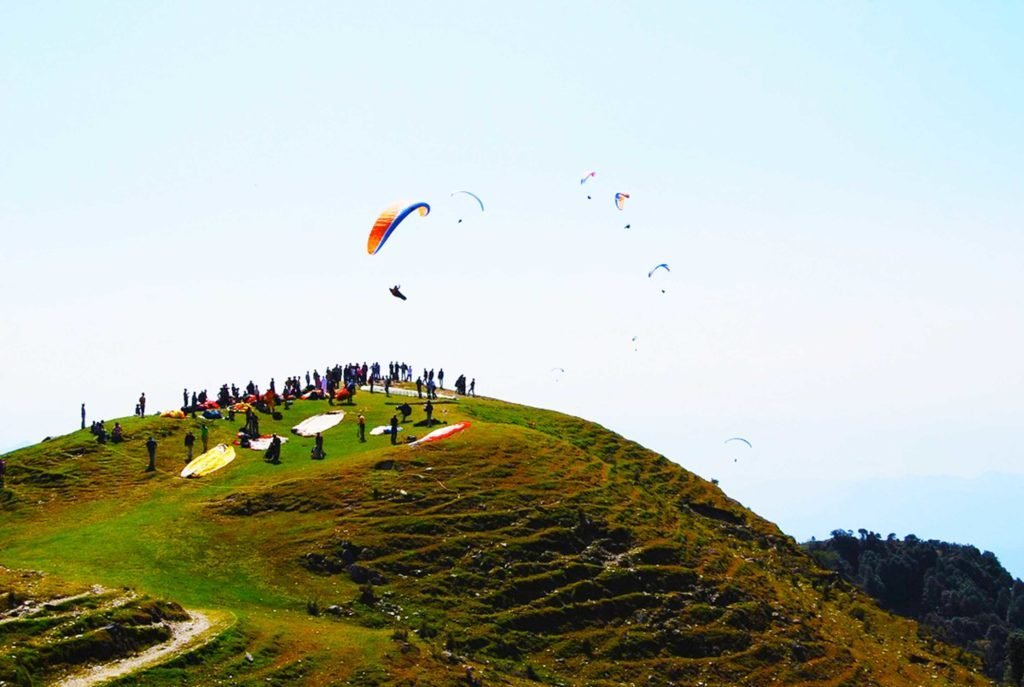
<point x="620" y="200"/>
<point x="659" y="278"/>
<point x="473" y="196"/>
<point x="739" y="439"/>
<point x="396" y="291"/>
<point x="388" y="221"/>
<point x="587" y="175"/>
<point x="656" y="268"/>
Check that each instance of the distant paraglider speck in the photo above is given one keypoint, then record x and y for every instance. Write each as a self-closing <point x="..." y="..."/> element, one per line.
<point x="471" y="195"/>
<point x="396" y="291"/>
<point x="738" y="439"/>
<point x="659" y="266"/>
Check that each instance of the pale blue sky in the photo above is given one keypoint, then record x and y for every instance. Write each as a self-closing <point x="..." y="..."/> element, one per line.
<point x="186" y="188"/>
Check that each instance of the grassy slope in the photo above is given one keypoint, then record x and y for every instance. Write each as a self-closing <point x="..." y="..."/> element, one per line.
<point x="535" y="546"/>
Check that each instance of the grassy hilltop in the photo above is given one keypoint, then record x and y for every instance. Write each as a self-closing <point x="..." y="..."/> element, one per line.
<point x="534" y="548"/>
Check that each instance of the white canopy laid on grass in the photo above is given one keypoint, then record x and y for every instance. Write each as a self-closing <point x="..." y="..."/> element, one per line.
<point x="318" y="423"/>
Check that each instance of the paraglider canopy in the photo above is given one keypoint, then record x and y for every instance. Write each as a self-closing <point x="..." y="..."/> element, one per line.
<point x="587" y="175"/>
<point x="658" y="276"/>
<point x="388" y="221"/>
<point x="620" y="201"/>
<point x="473" y="196"/>
<point x="395" y="291"/>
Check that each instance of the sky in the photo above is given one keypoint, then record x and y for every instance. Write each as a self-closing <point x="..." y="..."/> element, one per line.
<point x="186" y="189"/>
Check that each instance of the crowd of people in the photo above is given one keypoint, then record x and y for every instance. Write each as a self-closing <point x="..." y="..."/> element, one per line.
<point x="336" y="383"/>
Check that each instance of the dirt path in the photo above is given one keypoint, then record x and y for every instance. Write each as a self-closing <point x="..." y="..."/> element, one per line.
<point x="185" y="636"/>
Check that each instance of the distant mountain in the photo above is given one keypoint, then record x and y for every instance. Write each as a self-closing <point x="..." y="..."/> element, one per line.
<point x="965" y="596"/>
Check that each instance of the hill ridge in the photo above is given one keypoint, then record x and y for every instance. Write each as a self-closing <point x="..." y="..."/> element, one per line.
<point x="533" y="548"/>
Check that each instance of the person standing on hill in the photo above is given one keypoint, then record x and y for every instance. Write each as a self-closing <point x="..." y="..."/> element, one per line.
<point x="419" y="387"/>
<point x="83" y="416"/>
<point x="472" y="387"/>
<point x="151" y="448"/>
<point x="440" y="378"/>
<point x="204" y="434"/>
<point x="190" y="440"/>
<point x="429" y="408"/>
<point x="142" y="405"/>
<point x="362" y="428"/>
<point x="273" y="454"/>
<point x="387" y="386"/>
<point x="184" y="398"/>
<point x="394" y="429"/>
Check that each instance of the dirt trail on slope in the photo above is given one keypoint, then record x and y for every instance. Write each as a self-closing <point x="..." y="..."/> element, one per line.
<point x="185" y="636"/>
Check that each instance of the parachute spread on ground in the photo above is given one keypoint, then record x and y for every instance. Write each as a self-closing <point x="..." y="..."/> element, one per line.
<point x="739" y="439"/>
<point x="620" y="199"/>
<point x="389" y="220"/>
<point x="586" y="176"/>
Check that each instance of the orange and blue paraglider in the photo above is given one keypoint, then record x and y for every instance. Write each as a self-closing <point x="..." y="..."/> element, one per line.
<point x="388" y="221"/>
<point x="620" y="199"/>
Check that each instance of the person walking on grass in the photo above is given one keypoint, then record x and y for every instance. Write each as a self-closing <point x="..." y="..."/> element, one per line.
<point x="142" y="405"/>
<point x="394" y="429"/>
<point x="362" y="428"/>
<point x="151" y="448"/>
<point x="204" y="434"/>
<point x="190" y="440"/>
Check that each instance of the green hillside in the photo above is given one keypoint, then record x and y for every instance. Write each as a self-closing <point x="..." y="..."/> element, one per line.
<point x="533" y="548"/>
